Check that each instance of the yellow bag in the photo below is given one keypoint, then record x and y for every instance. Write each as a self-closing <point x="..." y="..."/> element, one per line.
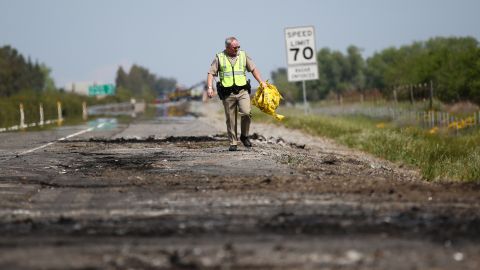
<point x="267" y="100"/>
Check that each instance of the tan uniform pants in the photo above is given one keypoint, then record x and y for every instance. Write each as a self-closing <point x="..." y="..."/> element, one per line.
<point x="231" y="104"/>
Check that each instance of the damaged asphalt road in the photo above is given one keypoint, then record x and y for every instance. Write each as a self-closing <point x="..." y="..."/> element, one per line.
<point x="167" y="194"/>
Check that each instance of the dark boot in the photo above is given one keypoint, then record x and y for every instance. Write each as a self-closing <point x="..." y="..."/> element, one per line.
<point x="245" y="141"/>
<point x="232" y="148"/>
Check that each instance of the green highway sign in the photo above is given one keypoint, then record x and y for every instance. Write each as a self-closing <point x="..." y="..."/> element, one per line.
<point x="101" y="89"/>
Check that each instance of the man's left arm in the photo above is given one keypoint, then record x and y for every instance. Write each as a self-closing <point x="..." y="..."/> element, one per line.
<point x="255" y="72"/>
<point x="258" y="77"/>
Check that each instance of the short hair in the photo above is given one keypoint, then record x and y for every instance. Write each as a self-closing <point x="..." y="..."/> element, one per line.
<point x="229" y="41"/>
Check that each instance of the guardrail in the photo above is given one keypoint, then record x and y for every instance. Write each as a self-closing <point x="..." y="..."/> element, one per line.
<point x="41" y="122"/>
<point x="131" y="108"/>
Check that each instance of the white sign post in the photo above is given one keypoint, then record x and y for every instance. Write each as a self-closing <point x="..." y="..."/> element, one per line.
<point x="301" y="56"/>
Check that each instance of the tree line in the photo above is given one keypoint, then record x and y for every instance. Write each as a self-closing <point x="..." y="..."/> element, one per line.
<point x="140" y="82"/>
<point x="29" y="83"/>
<point x="452" y="64"/>
<point x="18" y="74"/>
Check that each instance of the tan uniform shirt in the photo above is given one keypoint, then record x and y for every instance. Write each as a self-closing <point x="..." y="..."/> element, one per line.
<point x="214" y="67"/>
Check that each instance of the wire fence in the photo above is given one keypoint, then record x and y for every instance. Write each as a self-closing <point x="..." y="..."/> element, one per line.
<point x="425" y="119"/>
<point x="408" y="105"/>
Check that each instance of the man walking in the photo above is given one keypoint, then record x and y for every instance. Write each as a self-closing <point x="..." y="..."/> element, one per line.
<point x="234" y="88"/>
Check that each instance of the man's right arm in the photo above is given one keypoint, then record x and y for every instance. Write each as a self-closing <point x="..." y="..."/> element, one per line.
<point x="212" y="72"/>
<point x="210" y="92"/>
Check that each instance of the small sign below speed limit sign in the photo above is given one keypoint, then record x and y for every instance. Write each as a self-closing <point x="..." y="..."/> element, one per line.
<point x="301" y="53"/>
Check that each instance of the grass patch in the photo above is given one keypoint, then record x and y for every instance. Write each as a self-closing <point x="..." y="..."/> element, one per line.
<point x="438" y="156"/>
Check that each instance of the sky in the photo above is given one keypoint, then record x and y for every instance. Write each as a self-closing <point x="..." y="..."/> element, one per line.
<point x="88" y="40"/>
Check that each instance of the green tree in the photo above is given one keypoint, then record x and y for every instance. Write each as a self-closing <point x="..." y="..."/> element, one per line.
<point x="121" y="78"/>
<point x="453" y="67"/>
<point x="378" y="66"/>
<point x="333" y="67"/>
<point x="49" y="83"/>
<point x="139" y="82"/>
<point x="18" y="74"/>
<point x="451" y="63"/>
<point x="355" y="73"/>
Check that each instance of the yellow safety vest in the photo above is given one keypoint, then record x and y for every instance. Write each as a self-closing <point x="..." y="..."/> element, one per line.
<point x="235" y="75"/>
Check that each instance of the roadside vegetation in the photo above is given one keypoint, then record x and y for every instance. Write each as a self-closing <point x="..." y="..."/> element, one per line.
<point x="440" y="156"/>
<point x="450" y="64"/>
<point x="29" y="83"/>
<point x="71" y="105"/>
<point x="402" y="104"/>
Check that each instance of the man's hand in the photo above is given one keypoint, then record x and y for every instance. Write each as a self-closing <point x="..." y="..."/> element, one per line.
<point x="210" y="92"/>
<point x="263" y="84"/>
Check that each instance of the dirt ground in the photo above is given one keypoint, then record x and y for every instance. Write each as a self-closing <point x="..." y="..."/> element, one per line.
<point x="167" y="194"/>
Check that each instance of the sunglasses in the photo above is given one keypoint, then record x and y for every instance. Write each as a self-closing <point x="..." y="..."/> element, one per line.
<point x="236" y="48"/>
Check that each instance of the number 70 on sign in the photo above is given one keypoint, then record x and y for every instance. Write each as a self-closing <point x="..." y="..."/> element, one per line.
<point x="300" y="44"/>
<point x="307" y="53"/>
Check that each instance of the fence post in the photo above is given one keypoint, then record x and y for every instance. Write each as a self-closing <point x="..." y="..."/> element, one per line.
<point x="429" y="118"/>
<point x="430" y="114"/>
<point x="431" y="94"/>
<point x="22" y="116"/>
<point x="134" y="102"/>
<point x="41" y="115"/>
<point x="84" y="111"/>
<point x="59" y="111"/>
<point x="433" y="119"/>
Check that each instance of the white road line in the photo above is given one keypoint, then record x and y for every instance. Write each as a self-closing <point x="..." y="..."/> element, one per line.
<point x="62" y="139"/>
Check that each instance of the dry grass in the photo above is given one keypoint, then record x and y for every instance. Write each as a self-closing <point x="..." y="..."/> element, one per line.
<point x="441" y="156"/>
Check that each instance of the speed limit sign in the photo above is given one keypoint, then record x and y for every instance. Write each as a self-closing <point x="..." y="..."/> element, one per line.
<point x="301" y="53"/>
